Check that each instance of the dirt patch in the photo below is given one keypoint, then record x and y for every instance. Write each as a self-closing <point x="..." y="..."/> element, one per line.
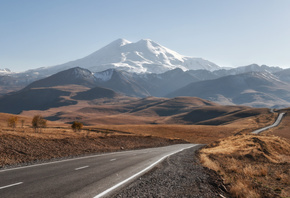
<point x="252" y="165"/>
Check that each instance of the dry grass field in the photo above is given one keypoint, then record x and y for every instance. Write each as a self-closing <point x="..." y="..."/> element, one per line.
<point x="202" y="134"/>
<point x="23" y="144"/>
<point x="252" y="166"/>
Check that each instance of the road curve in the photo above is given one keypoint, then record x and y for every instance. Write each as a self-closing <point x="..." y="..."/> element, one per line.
<point x="276" y="123"/>
<point x="90" y="176"/>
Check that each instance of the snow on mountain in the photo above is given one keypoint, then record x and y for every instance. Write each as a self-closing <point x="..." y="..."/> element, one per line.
<point x="257" y="68"/>
<point x="140" y="57"/>
<point x="246" y="69"/>
<point x="5" y="71"/>
<point x="267" y="76"/>
<point x="104" y="75"/>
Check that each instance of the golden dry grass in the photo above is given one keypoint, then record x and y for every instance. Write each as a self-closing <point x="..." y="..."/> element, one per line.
<point x="191" y="133"/>
<point x="255" y="164"/>
<point x="203" y="134"/>
<point x="243" y="189"/>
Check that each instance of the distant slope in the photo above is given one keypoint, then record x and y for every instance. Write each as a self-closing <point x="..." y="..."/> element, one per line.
<point x="213" y="115"/>
<point x="283" y="75"/>
<point x="168" y="107"/>
<point x="34" y="99"/>
<point x="95" y="93"/>
<point x="160" y="85"/>
<point x="121" y="82"/>
<point x="76" y="76"/>
<point x="254" y="89"/>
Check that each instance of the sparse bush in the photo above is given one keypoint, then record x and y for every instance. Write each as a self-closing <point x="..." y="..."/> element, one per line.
<point x="77" y="126"/>
<point x="38" y="122"/>
<point x="12" y="121"/>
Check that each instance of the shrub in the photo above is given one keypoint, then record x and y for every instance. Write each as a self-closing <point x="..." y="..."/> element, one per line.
<point x="38" y="122"/>
<point x="77" y="126"/>
<point x="12" y="121"/>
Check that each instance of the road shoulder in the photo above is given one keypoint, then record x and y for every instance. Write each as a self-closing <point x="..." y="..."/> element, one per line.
<point x="180" y="175"/>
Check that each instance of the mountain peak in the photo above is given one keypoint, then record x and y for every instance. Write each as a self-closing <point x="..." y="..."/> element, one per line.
<point x="121" y="42"/>
<point x="143" y="56"/>
<point x="145" y="41"/>
<point x="5" y="71"/>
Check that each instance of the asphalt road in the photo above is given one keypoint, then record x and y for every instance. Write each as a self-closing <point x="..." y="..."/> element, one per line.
<point x="90" y="176"/>
<point x="276" y="123"/>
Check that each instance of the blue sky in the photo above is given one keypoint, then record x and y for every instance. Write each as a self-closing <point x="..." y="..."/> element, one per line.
<point x="37" y="33"/>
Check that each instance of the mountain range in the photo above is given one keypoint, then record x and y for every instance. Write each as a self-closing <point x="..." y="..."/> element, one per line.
<point x="143" y="69"/>
<point x="256" y="89"/>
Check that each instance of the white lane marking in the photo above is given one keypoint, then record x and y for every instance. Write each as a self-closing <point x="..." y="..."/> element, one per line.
<point x="11" y="185"/>
<point x="112" y="160"/>
<point x="81" y="167"/>
<point x="47" y="163"/>
<point x="77" y="158"/>
<point x="139" y="173"/>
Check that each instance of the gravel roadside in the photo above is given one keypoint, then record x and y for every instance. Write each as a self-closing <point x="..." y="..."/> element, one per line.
<point x="180" y="175"/>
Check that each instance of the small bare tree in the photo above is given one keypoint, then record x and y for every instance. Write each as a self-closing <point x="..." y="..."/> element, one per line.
<point x="12" y="122"/>
<point x="77" y="126"/>
<point x="38" y="122"/>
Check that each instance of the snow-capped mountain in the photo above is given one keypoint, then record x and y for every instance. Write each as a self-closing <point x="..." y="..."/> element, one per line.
<point x="140" y="57"/>
<point x="246" y="69"/>
<point x="5" y="71"/>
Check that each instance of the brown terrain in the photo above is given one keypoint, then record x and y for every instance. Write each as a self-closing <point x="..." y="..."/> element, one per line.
<point x="154" y="122"/>
<point x="22" y="144"/>
<point x="251" y="165"/>
<point x="85" y="106"/>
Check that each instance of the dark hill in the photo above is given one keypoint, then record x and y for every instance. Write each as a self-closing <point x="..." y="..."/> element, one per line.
<point x="95" y="93"/>
<point x="34" y="99"/>
<point x="121" y="82"/>
<point x="76" y="76"/>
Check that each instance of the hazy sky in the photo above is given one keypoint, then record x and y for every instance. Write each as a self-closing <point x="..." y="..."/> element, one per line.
<point x="37" y="33"/>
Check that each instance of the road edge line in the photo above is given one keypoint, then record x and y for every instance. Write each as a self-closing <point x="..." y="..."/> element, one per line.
<point x="65" y="160"/>
<point x="15" y="184"/>
<point x="75" y="158"/>
<point x="139" y="173"/>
